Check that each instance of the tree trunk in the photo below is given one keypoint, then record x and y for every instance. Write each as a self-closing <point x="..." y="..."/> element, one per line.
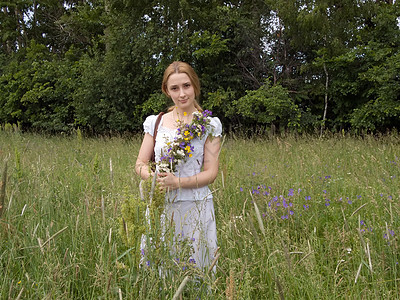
<point x="326" y="98"/>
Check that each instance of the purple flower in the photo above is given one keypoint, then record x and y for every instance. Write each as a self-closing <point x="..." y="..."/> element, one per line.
<point x="142" y="252"/>
<point x="291" y="192"/>
<point x="349" y="202"/>
<point x="192" y="261"/>
<point x="307" y="197"/>
<point x="241" y="189"/>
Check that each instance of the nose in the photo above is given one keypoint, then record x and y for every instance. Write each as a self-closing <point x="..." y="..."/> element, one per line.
<point x="181" y="93"/>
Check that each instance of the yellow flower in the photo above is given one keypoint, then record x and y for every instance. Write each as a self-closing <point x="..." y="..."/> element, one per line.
<point x="186" y="132"/>
<point x="19" y="282"/>
<point x="185" y="113"/>
<point x="190" y="155"/>
<point x="188" y="149"/>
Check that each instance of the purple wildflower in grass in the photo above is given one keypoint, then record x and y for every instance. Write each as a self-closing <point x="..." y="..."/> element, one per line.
<point x="307" y="197"/>
<point x="359" y="196"/>
<point x="327" y="204"/>
<point x="369" y="229"/>
<point x="275" y="198"/>
<point x="324" y="191"/>
<point x="148" y="263"/>
<point x="291" y="212"/>
<point x="327" y="177"/>
<point x="350" y="202"/>
<point x="193" y="239"/>
<point x="269" y="203"/>
<point x="291" y="193"/>
<point x="254" y="173"/>
<point x="278" y="204"/>
<point x="298" y="191"/>
<point x="284" y="203"/>
<point x="390" y="197"/>
<point x="306" y="207"/>
<point x="362" y="223"/>
<point x="381" y="194"/>
<point x="270" y="188"/>
<point x="241" y="189"/>
<point x="290" y="204"/>
<point x="391" y="232"/>
<point x="142" y="252"/>
<point x="340" y="199"/>
<point x="192" y="261"/>
<point x="385" y="236"/>
<point x="266" y="194"/>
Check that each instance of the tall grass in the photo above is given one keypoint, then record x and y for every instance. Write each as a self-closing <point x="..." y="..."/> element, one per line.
<point x="296" y="218"/>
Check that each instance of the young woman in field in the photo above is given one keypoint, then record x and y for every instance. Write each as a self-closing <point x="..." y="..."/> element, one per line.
<point x="188" y="201"/>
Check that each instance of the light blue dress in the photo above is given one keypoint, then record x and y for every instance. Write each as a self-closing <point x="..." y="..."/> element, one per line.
<point x="192" y="209"/>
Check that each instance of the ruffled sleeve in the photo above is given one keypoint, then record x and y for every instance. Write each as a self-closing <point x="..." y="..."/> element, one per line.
<point x="149" y="124"/>
<point x="216" y="127"/>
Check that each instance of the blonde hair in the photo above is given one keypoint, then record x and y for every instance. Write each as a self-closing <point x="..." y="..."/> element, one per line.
<point x="181" y="67"/>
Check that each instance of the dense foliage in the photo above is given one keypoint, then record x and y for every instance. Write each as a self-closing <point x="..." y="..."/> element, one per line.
<point x="98" y="64"/>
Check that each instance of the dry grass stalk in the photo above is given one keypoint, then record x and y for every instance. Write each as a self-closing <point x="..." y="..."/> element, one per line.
<point x="303" y="258"/>
<point x="230" y="286"/>
<point x="111" y="173"/>
<point x="369" y="258"/>
<point x="3" y="189"/>
<point x="20" y="294"/>
<point x="280" y="289"/>
<point x="103" y="208"/>
<point x="213" y="263"/>
<point x="180" y="288"/>
<point x="358" y="209"/>
<point x="53" y="236"/>
<point x="358" y="273"/>
<point x="258" y="215"/>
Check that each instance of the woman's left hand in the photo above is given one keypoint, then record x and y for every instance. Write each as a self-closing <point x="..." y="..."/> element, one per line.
<point x="167" y="181"/>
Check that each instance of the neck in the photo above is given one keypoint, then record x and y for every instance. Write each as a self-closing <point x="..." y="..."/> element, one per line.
<point x="185" y="115"/>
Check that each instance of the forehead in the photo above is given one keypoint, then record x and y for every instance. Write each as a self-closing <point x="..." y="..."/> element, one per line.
<point x="178" y="79"/>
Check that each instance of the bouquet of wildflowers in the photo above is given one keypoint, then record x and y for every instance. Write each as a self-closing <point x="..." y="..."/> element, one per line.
<point x="180" y="149"/>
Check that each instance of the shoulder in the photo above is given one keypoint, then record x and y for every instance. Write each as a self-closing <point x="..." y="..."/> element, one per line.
<point x="216" y="127"/>
<point x="149" y="124"/>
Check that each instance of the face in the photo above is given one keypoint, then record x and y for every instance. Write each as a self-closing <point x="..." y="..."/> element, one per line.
<point x="181" y="91"/>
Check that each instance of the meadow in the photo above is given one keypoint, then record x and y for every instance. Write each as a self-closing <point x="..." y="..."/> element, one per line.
<point x="297" y="218"/>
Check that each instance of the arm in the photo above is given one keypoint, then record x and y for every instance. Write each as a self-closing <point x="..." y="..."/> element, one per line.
<point x="205" y="177"/>
<point x="145" y="152"/>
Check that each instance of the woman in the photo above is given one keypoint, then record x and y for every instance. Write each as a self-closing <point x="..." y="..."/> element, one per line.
<point x="189" y="201"/>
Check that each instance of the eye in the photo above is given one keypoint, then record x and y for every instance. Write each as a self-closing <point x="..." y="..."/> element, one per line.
<point x="174" y="88"/>
<point x="186" y="85"/>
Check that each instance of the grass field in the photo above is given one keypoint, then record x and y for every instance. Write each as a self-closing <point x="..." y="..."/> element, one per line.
<point x="297" y="218"/>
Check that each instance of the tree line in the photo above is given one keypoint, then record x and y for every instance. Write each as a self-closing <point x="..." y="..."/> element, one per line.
<point x="291" y="64"/>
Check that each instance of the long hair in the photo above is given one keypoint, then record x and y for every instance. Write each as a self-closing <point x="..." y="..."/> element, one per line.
<point x="181" y="67"/>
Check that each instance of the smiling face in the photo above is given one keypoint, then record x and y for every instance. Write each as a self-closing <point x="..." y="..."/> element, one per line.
<point x="180" y="89"/>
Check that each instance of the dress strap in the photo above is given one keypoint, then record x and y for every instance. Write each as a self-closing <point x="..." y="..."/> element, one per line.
<point x="153" y="158"/>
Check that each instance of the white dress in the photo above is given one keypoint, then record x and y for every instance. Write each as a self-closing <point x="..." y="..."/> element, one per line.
<point x="192" y="209"/>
